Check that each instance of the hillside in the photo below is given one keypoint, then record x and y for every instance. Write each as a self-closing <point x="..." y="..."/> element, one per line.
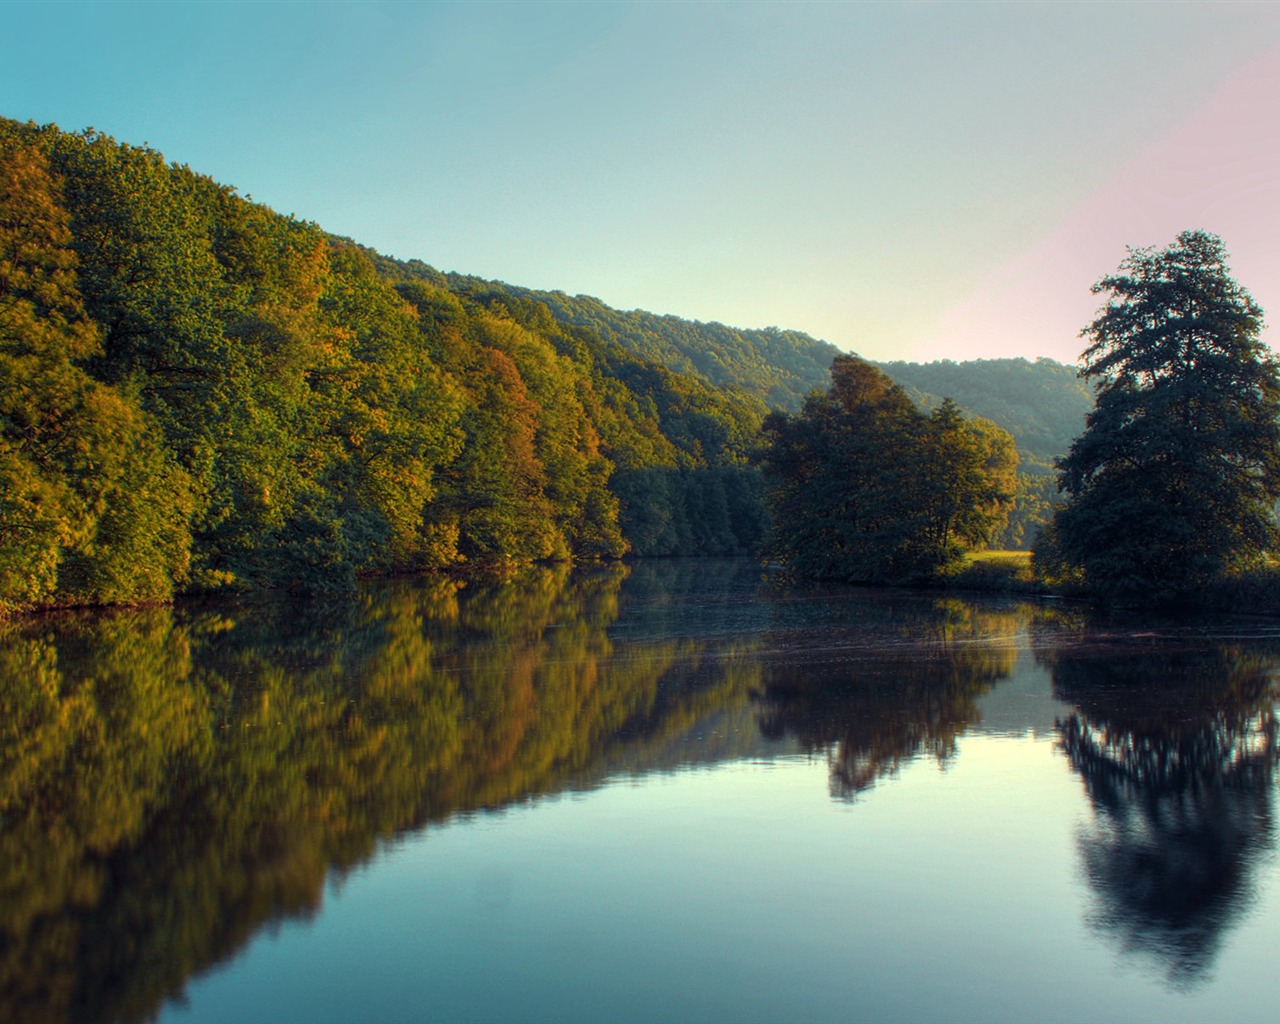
<point x="1042" y="404"/>
<point x="197" y="392"/>
<point x="778" y="367"/>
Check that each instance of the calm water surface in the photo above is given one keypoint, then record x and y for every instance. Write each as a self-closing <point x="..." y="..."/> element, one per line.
<point x="675" y="794"/>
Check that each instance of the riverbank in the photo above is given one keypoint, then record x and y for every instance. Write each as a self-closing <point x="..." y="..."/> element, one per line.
<point x="1253" y="591"/>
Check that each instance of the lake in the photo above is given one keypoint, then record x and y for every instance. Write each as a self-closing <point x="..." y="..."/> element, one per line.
<point x="672" y="792"/>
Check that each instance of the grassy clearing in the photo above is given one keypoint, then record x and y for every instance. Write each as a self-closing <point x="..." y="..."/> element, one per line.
<point x="999" y="557"/>
<point x="1254" y="591"/>
<point x="1006" y="572"/>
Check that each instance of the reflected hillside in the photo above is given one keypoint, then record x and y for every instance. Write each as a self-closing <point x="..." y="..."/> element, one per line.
<point x="1178" y="753"/>
<point x="172" y="781"/>
<point x="899" y="681"/>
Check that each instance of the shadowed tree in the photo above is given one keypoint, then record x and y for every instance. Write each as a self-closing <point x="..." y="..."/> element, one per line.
<point x="1173" y="481"/>
<point x="865" y="488"/>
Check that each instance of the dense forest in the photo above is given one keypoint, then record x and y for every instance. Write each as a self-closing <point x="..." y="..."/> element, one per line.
<point x="198" y="393"/>
<point x="778" y="367"/>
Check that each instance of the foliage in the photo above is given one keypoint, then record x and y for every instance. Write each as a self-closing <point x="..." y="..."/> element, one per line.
<point x="864" y="487"/>
<point x="267" y="405"/>
<point x="965" y="479"/>
<point x="1042" y="404"/>
<point x="1008" y="572"/>
<point x="90" y="507"/>
<point x="681" y="512"/>
<point x="1173" y="483"/>
<point x="775" y="367"/>
<point x="1035" y="498"/>
<point x="198" y="393"/>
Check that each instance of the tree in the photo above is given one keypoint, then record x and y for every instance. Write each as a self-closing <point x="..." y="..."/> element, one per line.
<point x="1173" y="482"/>
<point x="968" y="480"/>
<point x="91" y="509"/>
<point x="865" y="488"/>
<point x="832" y="481"/>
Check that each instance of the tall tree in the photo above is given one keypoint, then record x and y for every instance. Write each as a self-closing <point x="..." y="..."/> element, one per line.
<point x="1175" y="477"/>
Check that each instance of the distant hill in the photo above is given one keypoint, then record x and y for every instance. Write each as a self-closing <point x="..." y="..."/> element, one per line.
<point x="1042" y="404"/>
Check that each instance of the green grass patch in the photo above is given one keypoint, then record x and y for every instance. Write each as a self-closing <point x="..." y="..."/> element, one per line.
<point x="1006" y="572"/>
<point x="999" y="557"/>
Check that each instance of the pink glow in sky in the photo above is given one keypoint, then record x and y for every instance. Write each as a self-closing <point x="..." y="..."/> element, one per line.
<point x="863" y="172"/>
<point x="1218" y="170"/>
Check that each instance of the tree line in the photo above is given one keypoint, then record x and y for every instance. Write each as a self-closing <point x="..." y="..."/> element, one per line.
<point x="199" y="393"/>
<point x="1168" y="495"/>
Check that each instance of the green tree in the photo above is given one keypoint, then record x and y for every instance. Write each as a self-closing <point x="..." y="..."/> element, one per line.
<point x="1035" y="497"/>
<point x="967" y="483"/>
<point x="1173" y="481"/>
<point x="44" y="333"/>
<point x="864" y="487"/>
<point x="91" y="509"/>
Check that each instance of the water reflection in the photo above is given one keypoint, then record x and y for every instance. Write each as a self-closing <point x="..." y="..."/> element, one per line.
<point x="172" y="781"/>
<point x="910" y="692"/>
<point x="1176" y="742"/>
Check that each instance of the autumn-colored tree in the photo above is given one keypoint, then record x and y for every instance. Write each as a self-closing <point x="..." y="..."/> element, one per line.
<point x="91" y="509"/>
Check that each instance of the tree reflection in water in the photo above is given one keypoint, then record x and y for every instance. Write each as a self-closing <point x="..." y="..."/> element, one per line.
<point x="173" y="781"/>
<point x="1177" y="752"/>
<point x="908" y="688"/>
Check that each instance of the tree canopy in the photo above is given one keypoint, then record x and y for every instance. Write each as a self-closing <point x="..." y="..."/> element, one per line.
<point x="864" y="487"/>
<point x="91" y="507"/>
<point x="197" y="392"/>
<point x="1174" y="480"/>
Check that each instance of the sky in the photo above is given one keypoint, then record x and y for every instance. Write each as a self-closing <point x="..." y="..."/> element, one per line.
<point x="907" y="181"/>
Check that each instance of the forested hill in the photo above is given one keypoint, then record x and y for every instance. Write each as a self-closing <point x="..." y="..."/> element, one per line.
<point x="779" y="367"/>
<point x="197" y="392"/>
<point x="1042" y="404"/>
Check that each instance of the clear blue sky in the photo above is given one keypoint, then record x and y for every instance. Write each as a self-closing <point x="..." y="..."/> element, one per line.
<point x="880" y="175"/>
